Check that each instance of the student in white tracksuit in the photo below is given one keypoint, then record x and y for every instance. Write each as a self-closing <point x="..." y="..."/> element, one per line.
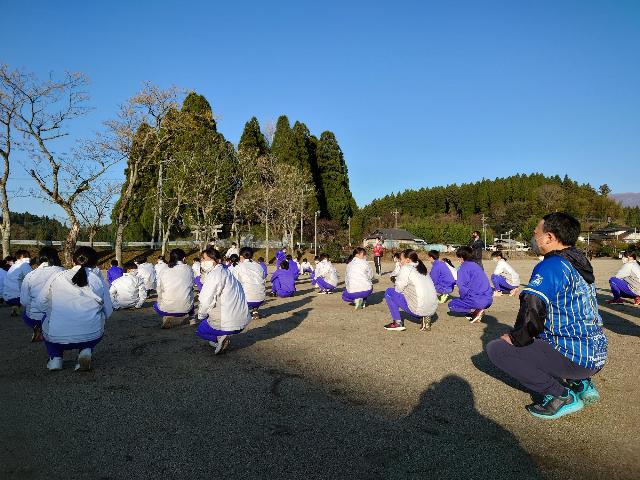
<point x="396" y="269"/>
<point x="3" y="276"/>
<point x="251" y="277"/>
<point x="504" y="278"/>
<point x="358" y="279"/>
<point x="49" y="264"/>
<point x="13" y="282"/>
<point x="325" y="276"/>
<point x="306" y="267"/>
<point x="76" y="303"/>
<point x="414" y="293"/>
<point x="128" y="291"/>
<point x="626" y="282"/>
<point x="223" y="308"/>
<point x="147" y="273"/>
<point x="175" y="290"/>
<point x="160" y="265"/>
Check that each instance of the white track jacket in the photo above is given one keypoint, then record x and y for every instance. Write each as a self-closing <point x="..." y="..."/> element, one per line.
<point x="251" y="277"/>
<point x="128" y="291"/>
<point x="32" y="286"/>
<point x="73" y="314"/>
<point x="358" y="276"/>
<point x="222" y="301"/>
<point x="418" y="290"/>
<point x="175" y="289"/>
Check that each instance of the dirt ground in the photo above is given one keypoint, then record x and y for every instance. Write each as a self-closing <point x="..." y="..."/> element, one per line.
<point x="314" y="389"/>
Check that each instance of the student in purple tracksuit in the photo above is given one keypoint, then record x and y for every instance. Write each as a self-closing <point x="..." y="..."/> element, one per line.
<point x="441" y="275"/>
<point x="281" y="256"/>
<point x="283" y="282"/>
<point x="476" y="294"/>
<point x="264" y="266"/>
<point x="114" y="272"/>
<point x="293" y="266"/>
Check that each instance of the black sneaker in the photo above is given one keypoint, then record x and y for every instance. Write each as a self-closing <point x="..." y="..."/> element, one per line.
<point x="555" y="407"/>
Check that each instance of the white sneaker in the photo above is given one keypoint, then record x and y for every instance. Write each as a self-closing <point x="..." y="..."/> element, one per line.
<point x="84" y="360"/>
<point x="477" y="316"/>
<point x="54" y="363"/>
<point x="223" y="343"/>
<point x="358" y="303"/>
<point x="213" y="344"/>
<point x="497" y="293"/>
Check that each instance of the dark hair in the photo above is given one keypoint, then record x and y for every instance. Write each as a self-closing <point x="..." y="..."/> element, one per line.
<point x="9" y="258"/>
<point x="396" y="255"/>
<point x="23" y="253"/>
<point x="261" y="259"/>
<point x="176" y="255"/>
<point x="497" y="254"/>
<point x="284" y="265"/>
<point x="129" y="266"/>
<point x="234" y="244"/>
<point x="304" y="260"/>
<point x="234" y="259"/>
<point x="4" y="265"/>
<point x="413" y="256"/>
<point x="563" y="226"/>
<point x="434" y="254"/>
<point x="299" y="257"/>
<point x="246" y="253"/>
<point x="448" y="262"/>
<point x="323" y="256"/>
<point x="465" y="253"/>
<point x="316" y="257"/>
<point x="86" y="257"/>
<point x="475" y="232"/>
<point x="161" y="257"/>
<point x="289" y="257"/>
<point x="49" y="255"/>
<point x="212" y="253"/>
<point x="142" y="258"/>
<point x="359" y="250"/>
<point x="114" y="263"/>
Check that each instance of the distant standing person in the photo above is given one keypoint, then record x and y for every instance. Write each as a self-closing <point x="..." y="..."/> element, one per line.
<point x="233" y="250"/>
<point x="477" y="245"/>
<point x="378" y="253"/>
<point x="558" y="333"/>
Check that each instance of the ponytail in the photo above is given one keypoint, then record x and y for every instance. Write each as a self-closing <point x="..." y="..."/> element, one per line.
<point x="176" y="255"/>
<point x="86" y="257"/>
<point x="413" y="256"/>
<point x="448" y="262"/>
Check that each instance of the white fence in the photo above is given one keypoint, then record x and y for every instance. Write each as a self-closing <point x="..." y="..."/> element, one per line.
<point x="156" y="245"/>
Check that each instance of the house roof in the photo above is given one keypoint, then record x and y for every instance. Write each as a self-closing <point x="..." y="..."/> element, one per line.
<point x="392" y="234"/>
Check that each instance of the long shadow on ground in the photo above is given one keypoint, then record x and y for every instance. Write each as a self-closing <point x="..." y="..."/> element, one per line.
<point x="617" y="323"/>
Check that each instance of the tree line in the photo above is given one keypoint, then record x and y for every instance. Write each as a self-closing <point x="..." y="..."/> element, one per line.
<point x="449" y="213"/>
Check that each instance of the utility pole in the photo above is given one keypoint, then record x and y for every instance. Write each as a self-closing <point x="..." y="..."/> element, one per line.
<point x="395" y="214"/>
<point x="315" y="232"/>
<point x="484" y="230"/>
<point x="349" y="224"/>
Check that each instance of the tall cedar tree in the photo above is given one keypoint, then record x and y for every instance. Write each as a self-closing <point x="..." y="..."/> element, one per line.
<point x="253" y="142"/>
<point x="340" y="205"/>
<point x="282" y="146"/>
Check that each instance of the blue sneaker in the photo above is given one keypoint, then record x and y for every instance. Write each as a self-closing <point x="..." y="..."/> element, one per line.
<point x="555" y="407"/>
<point x="585" y="390"/>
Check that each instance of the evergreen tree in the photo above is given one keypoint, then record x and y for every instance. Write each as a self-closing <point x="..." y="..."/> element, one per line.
<point x="282" y="146"/>
<point x="253" y="142"/>
<point x="334" y="179"/>
<point x="200" y="109"/>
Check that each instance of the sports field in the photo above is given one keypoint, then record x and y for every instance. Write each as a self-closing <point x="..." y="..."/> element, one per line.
<point x="314" y="389"/>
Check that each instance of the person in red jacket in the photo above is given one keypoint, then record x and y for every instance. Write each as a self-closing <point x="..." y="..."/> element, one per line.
<point x="378" y="252"/>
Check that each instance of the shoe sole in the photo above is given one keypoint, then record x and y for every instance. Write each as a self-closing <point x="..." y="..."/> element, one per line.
<point x="590" y="398"/>
<point x="224" y="346"/>
<point x="85" y="363"/>
<point x="477" y="318"/>
<point x="395" y="329"/>
<point x="573" y="408"/>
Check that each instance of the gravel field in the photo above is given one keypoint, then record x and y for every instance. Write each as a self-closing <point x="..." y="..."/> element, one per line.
<point x="312" y="390"/>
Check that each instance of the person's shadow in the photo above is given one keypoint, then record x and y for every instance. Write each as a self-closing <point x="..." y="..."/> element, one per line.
<point x="271" y="329"/>
<point x="617" y="323"/>
<point x="446" y="437"/>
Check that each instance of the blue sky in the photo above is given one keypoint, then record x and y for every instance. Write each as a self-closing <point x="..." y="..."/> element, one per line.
<point x="418" y="93"/>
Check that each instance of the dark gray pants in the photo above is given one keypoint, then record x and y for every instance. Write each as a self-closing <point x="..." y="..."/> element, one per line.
<point x="537" y="366"/>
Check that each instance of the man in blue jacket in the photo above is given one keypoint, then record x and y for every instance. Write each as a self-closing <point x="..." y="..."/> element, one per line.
<point x="557" y="343"/>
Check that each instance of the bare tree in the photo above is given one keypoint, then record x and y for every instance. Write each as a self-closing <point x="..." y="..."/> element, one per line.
<point x="10" y="102"/>
<point x="550" y="196"/>
<point x="94" y="205"/>
<point x="138" y="134"/>
<point x="46" y="108"/>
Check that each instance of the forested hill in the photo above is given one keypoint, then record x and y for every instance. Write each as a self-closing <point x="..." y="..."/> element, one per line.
<point x="512" y="203"/>
<point x="34" y="227"/>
